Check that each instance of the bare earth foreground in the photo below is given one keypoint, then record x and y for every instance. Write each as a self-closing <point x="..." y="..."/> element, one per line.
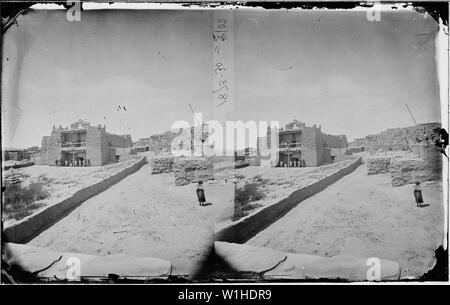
<point x="143" y="215"/>
<point x="363" y="216"/>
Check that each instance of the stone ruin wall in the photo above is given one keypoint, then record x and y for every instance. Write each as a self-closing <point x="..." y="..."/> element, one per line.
<point x="379" y="165"/>
<point x="160" y="143"/>
<point x="192" y="169"/>
<point x="426" y="167"/>
<point x="161" y="164"/>
<point x="423" y="164"/>
<point x="399" y="138"/>
<point x="166" y="143"/>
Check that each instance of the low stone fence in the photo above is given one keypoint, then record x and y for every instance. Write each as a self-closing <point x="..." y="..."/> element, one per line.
<point x="247" y="227"/>
<point x="26" y="229"/>
<point x="192" y="169"/>
<point x="18" y="165"/>
<point x="162" y="164"/>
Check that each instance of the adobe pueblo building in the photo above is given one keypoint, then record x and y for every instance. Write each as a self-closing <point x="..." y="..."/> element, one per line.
<point x="83" y="145"/>
<point x="298" y="145"/>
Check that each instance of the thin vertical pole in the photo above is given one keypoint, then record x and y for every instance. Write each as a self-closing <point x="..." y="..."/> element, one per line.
<point x="415" y="123"/>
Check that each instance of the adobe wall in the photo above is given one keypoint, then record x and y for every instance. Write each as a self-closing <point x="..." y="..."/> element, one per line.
<point x="124" y="153"/>
<point x="121" y="141"/>
<point x="326" y="155"/>
<point x="309" y="147"/>
<point x="105" y="147"/>
<point x="335" y="141"/>
<point x="51" y="148"/>
<point x="340" y="154"/>
<point x="96" y="151"/>
<point x="247" y="227"/>
<point x="28" y="228"/>
<point x="321" y="149"/>
<point x="112" y="154"/>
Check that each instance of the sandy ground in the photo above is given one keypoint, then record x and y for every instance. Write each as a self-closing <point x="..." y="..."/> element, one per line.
<point x="277" y="183"/>
<point x="363" y="216"/>
<point x="62" y="182"/>
<point x="144" y="215"/>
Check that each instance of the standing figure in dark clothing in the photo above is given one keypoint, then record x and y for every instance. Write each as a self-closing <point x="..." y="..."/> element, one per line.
<point x="201" y="194"/>
<point x="418" y="194"/>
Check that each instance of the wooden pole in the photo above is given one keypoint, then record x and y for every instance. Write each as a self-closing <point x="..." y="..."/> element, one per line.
<point x="415" y="123"/>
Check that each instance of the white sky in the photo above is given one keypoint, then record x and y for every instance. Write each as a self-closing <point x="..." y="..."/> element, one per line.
<point x="349" y="75"/>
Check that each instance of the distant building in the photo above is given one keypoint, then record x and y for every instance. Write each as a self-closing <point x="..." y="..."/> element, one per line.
<point x="299" y="145"/>
<point x="16" y="154"/>
<point x="82" y="144"/>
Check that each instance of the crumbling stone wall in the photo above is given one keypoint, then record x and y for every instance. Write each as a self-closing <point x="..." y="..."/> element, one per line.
<point x="161" y="164"/>
<point x="378" y="165"/>
<point x="405" y="171"/>
<point x="400" y="138"/>
<point x="161" y="143"/>
<point x="426" y="167"/>
<point x="192" y="169"/>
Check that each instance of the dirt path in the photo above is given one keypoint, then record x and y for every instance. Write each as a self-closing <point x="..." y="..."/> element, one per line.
<point x="143" y="215"/>
<point x="363" y="216"/>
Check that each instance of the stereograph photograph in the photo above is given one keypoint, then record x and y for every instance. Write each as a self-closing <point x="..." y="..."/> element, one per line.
<point x="240" y="143"/>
